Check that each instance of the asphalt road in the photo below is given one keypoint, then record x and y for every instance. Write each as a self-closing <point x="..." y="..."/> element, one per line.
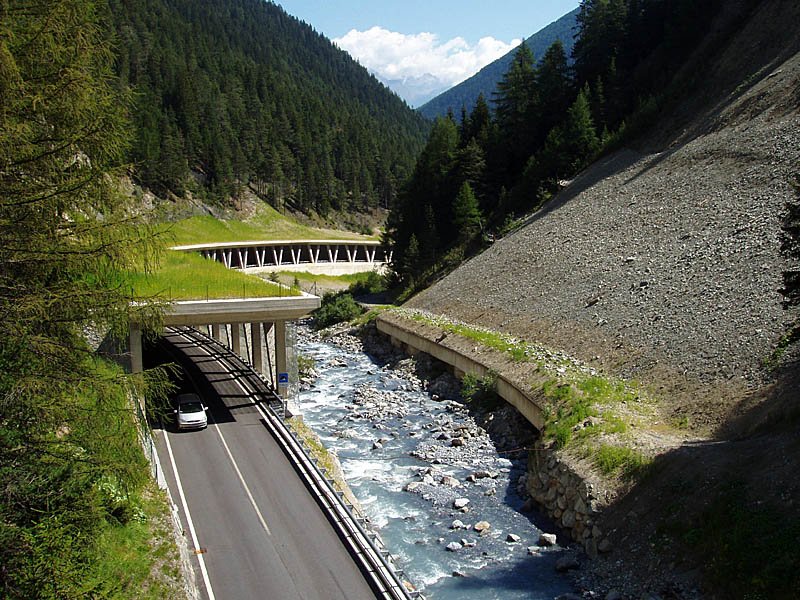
<point x="254" y="527"/>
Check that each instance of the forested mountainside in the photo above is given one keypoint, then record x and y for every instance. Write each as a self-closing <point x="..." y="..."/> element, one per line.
<point x="485" y="81"/>
<point x="673" y="263"/>
<point x="239" y="93"/>
<point x="550" y="120"/>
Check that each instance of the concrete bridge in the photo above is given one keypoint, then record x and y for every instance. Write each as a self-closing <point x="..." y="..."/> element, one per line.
<point x="320" y="257"/>
<point x="253" y="328"/>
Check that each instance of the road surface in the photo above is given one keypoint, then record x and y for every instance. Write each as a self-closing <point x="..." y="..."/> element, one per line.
<point x="253" y="525"/>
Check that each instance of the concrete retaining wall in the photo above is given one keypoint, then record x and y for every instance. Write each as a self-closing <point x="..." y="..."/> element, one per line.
<point x="463" y="364"/>
<point x="563" y="494"/>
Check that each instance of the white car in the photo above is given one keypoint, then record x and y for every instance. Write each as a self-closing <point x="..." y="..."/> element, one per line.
<point x="190" y="412"/>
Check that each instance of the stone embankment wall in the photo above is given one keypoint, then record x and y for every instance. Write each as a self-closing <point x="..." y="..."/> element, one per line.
<point x="567" y="497"/>
<point x="561" y="491"/>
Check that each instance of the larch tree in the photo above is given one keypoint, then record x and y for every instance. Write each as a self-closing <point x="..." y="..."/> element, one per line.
<point x="66" y="239"/>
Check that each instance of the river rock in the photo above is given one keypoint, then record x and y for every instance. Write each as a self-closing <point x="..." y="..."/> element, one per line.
<point x="566" y="563"/>
<point x="482" y="526"/>
<point x="456" y="442"/>
<point x="512" y="538"/>
<point x="453" y="546"/>
<point x="547" y="539"/>
<point x="460" y="503"/>
<point x="458" y="524"/>
<point x="412" y="486"/>
<point x="450" y="481"/>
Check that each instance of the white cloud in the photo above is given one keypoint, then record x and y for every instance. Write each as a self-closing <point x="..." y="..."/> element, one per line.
<point x="400" y="59"/>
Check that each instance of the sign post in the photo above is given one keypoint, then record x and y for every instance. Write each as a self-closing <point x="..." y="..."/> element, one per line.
<point x="283" y="389"/>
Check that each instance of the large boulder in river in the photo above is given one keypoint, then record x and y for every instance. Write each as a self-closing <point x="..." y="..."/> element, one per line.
<point x="482" y="526"/>
<point x="460" y="503"/>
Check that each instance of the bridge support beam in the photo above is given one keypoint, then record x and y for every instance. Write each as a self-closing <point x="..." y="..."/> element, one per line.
<point x="216" y="332"/>
<point x="137" y="361"/>
<point x="236" y="339"/>
<point x="256" y="340"/>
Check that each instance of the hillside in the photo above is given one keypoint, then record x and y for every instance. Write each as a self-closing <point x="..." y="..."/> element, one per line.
<point x="662" y="263"/>
<point x="239" y="94"/>
<point x="485" y="81"/>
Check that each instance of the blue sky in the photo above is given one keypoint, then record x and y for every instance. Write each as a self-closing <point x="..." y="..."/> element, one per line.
<point x="423" y="47"/>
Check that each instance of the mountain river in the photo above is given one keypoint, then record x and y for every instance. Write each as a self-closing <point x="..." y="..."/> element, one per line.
<point x="397" y="448"/>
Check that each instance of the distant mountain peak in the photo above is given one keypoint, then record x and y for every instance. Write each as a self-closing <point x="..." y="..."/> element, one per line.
<point x="485" y="81"/>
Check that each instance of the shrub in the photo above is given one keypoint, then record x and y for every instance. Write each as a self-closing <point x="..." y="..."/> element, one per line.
<point x="336" y="308"/>
<point x="370" y="283"/>
<point x="306" y="364"/>
<point x="618" y="460"/>
<point x="480" y="391"/>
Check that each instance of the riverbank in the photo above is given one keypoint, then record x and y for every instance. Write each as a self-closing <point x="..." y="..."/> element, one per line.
<point x="556" y="476"/>
<point x="440" y="481"/>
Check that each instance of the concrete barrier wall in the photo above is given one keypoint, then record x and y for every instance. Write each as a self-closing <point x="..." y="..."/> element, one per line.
<point x="463" y="364"/>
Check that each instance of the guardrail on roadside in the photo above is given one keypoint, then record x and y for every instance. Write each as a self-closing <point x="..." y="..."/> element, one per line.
<point x="375" y="561"/>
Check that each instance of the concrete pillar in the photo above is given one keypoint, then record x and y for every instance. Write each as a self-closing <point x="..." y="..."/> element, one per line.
<point x="258" y="356"/>
<point x="216" y="332"/>
<point x="236" y="340"/>
<point x="269" y="338"/>
<point x="280" y="347"/>
<point x="137" y="360"/>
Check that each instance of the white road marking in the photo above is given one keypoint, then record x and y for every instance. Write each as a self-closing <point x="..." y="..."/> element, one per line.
<point x="246" y="487"/>
<point x="241" y="478"/>
<point x="192" y="531"/>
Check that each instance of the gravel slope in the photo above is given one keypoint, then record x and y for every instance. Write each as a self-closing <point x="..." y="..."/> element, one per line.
<point x="664" y="264"/>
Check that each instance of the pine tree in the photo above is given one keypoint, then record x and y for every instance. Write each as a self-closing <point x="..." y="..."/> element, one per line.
<point x="554" y="89"/>
<point x="411" y="263"/>
<point x="580" y="133"/>
<point x="467" y="216"/>
<point x="479" y="123"/>
<point x="514" y="102"/>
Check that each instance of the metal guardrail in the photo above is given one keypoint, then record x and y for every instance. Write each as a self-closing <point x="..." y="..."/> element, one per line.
<point x="366" y="547"/>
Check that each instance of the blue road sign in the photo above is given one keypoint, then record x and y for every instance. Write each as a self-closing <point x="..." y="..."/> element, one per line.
<point x="283" y="379"/>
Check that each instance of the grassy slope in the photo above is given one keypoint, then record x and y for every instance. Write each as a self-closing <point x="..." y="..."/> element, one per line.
<point x="189" y="276"/>
<point x="266" y="224"/>
<point x="186" y="276"/>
